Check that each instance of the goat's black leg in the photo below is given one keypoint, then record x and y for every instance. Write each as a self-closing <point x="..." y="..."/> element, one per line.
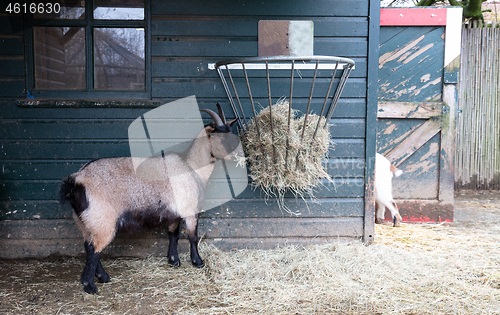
<point x="173" y="237"/>
<point x="192" y="232"/>
<point x="89" y="272"/>
<point x="101" y="274"/>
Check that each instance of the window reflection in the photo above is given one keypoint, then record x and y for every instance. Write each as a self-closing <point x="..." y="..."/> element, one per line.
<point x="69" y="10"/>
<point x="59" y="58"/>
<point x="119" y="10"/>
<point x="119" y="59"/>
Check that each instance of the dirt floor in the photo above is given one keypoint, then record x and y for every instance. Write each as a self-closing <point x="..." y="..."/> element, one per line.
<point x="377" y="279"/>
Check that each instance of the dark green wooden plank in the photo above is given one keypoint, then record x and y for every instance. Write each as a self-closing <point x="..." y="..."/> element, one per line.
<point x="64" y="129"/>
<point x="252" y="8"/>
<point x="83" y="103"/>
<point x="34" y="210"/>
<point x="237" y="208"/>
<point x="342" y="187"/>
<point x="144" y="245"/>
<point x="10" y="110"/>
<point x="349" y="108"/>
<point x="346" y="168"/>
<point x="29" y="190"/>
<point x="11" y="45"/>
<point x="326" y="207"/>
<point x="46" y="169"/>
<point x="118" y="129"/>
<point x="12" y="87"/>
<point x="163" y="46"/>
<point x="61" y="150"/>
<point x="39" y="229"/>
<point x="280" y="87"/>
<point x="210" y="228"/>
<point x="20" y="176"/>
<point x="12" y="67"/>
<point x="199" y="27"/>
<point x="48" y="189"/>
<point x="281" y="227"/>
<point x="349" y="47"/>
<point x="92" y="149"/>
<point x="86" y="129"/>
<point x="248" y="26"/>
<point x="38" y="170"/>
<point x="346" y="107"/>
<point x="20" y="249"/>
<point x="347" y="148"/>
<point x="347" y="128"/>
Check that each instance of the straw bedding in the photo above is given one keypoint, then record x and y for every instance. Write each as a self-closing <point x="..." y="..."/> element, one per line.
<point x="281" y="159"/>
<point x="415" y="269"/>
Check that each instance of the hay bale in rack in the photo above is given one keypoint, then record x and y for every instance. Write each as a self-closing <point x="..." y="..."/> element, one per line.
<point x="285" y="149"/>
<point x="284" y="158"/>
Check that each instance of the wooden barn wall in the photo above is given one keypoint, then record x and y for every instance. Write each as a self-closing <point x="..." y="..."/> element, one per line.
<point x="41" y="144"/>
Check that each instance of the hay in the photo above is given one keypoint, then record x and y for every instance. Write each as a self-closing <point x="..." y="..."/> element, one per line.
<point x="415" y="269"/>
<point x="273" y="169"/>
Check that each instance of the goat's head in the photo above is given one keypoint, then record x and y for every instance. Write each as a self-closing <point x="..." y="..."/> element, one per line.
<point x="223" y="142"/>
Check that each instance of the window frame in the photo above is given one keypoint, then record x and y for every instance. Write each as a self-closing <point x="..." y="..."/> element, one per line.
<point x="88" y="23"/>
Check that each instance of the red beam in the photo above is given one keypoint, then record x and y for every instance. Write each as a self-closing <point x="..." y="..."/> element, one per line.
<point x="412" y="16"/>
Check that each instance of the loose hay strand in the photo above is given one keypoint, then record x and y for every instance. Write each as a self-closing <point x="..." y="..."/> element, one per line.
<point x="283" y="153"/>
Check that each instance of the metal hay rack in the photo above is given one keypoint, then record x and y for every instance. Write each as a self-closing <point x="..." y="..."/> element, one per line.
<point x="311" y="83"/>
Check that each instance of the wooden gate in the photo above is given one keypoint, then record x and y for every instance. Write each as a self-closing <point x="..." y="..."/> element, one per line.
<point x="418" y="73"/>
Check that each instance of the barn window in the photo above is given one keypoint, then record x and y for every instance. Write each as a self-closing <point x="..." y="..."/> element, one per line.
<point x="90" y="47"/>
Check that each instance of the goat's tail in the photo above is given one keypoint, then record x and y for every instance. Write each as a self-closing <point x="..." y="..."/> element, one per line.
<point x="73" y="193"/>
<point x="396" y="171"/>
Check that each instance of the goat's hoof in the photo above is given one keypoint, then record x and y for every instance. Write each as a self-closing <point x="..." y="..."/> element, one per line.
<point x="397" y="220"/>
<point x="174" y="263"/>
<point x="90" y="288"/>
<point x="379" y="221"/>
<point x="198" y="263"/>
<point x="103" y="278"/>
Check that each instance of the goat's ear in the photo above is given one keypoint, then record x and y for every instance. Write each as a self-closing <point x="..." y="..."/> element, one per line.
<point x="231" y="123"/>
<point x="209" y="129"/>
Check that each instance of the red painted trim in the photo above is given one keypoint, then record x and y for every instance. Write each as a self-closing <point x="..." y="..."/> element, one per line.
<point x="412" y="17"/>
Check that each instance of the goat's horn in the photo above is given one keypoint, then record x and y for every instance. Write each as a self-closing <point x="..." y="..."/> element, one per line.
<point x="215" y="117"/>
<point x="221" y="114"/>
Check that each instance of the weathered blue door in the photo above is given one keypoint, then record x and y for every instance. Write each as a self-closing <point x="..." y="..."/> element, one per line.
<point x="415" y="114"/>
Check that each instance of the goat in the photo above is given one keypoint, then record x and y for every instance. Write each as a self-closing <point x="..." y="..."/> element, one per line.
<point x="384" y="172"/>
<point x="109" y="195"/>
